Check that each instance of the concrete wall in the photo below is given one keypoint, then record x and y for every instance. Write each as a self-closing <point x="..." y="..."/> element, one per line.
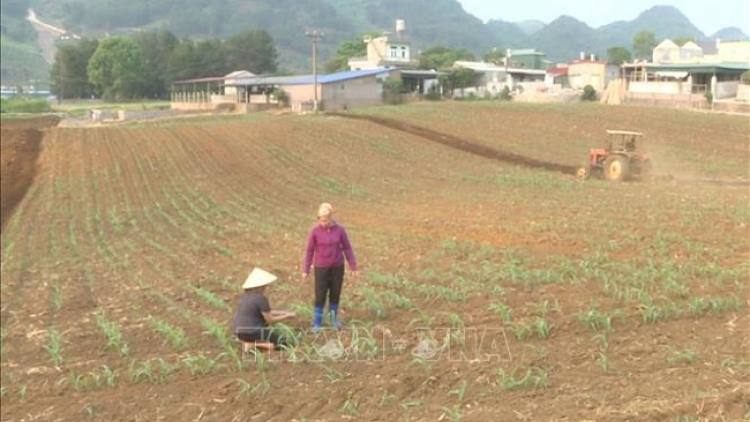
<point x="726" y="89"/>
<point x="193" y="105"/>
<point x="690" y="101"/>
<point x="588" y="73"/>
<point x="365" y="91"/>
<point x="743" y="93"/>
<point x="659" y="87"/>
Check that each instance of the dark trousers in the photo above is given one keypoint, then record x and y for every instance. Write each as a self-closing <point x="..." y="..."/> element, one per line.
<point x="263" y="335"/>
<point x="328" y="281"/>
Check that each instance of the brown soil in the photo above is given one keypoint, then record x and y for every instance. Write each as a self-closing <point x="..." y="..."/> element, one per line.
<point x="464" y="145"/>
<point x="162" y="222"/>
<point x="20" y="145"/>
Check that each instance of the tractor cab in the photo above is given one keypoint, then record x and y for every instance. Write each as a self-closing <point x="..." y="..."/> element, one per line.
<point x="623" y="141"/>
<point x="619" y="160"/>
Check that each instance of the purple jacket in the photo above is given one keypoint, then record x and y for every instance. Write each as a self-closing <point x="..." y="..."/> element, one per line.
<point x="328" y="246"/>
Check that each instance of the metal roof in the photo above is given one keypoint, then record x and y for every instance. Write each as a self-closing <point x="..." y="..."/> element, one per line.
<point x="335" y="77"/>
<point x="696" y="68"/>
<point x="407" y="72"/>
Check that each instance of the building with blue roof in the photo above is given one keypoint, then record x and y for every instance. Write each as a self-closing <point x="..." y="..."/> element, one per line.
<point x="335" y="91"/>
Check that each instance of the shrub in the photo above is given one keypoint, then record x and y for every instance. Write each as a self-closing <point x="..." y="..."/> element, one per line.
<point x="433" y="93"/>
<point x="393" y="89"/>
<point x="505" y="94"/>
<point x="281" y="96"/>
<point x="589" y="93"/>
<point x="25" y="105"/>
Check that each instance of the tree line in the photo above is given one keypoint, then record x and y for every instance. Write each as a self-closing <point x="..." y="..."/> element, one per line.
<point x="146" y="64"/>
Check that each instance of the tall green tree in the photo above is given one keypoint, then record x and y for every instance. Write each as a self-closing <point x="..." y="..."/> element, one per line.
<point x="347" y="50"/>
<point x="251" y="50"/>
<point x="69" y="75"/>
<point x="157" y="47"/>
<point x="496" y="56"/>
<point x="644" y="43"/>
<point x="441" y="57"/>
<point x="618" y="55"/>
<point x="462" y="78"/>
<point x="180" y="63"/>
<point x="116" y="68"/>
<point x="210" y="59"/>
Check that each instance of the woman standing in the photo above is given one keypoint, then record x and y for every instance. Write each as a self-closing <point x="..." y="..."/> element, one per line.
<point x="327" y="246"/>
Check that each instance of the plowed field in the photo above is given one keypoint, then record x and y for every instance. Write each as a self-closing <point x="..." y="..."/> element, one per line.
<point x="494" y="287"/>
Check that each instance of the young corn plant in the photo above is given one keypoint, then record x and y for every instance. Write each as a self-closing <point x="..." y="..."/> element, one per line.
<point x="110" y="376"/>
<point x="165" y="370"/>
<point x="54" y="346"/>
<point x="397" y="300"/>
<point x="363" y="344"/>
<point x="217" y="331"/>
<point x="385" y="398"/>
<point x="264" y="386"/>
<point x="112" y="333"/>
<point x="651" y="313"/>
<point x="542" y="327"/>
<point x="350" y="407"/>
<point x="681" y="356"/>
<point x="332" y="374"/>
<point x="455" y="321"/>
<point x="57" y="299"/>
<point x="698" y="305"/>
<point x="173" y="335"/>
<point x="505" y="313"/>
<point x="595" y="320"/>
<point x="603" y="361"/>
<point x="425" y="320"/>
<point x="453" y="413"/>
<point x="533" y="378"/>
<point x="211" y="298"/>
<point x="201" y="364"/>
<point x="521" y="330"/>
<point x="461" y="391"/>
<point x="421" y="362"/>
<point x="141" y="372"/>
<point x="373" y="302"/>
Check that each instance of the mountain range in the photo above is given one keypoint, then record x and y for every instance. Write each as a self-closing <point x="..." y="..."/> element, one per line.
<point x="428" y="23"/>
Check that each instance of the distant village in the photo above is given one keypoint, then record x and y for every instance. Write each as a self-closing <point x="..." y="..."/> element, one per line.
<point x="690" y="76"/>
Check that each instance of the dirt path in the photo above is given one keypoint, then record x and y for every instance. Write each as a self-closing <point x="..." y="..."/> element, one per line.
<point x="47" y="36"/>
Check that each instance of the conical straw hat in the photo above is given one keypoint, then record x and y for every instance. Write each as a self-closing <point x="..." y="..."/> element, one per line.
<point x="258" y="278"/>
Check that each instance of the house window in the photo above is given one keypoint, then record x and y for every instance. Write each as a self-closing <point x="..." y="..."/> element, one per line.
<point x="393" y="51"/>
<point x="403" y="52"/>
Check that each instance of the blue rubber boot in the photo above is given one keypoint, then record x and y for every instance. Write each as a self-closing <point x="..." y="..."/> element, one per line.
<point x="318" y="319"/>
<point x="333" y="316"/>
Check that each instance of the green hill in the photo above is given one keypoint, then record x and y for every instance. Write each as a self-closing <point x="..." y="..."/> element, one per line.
<point x="438" y="22"/>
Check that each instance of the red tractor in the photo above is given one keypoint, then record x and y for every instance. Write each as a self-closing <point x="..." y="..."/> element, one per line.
<point x="619" y="160"/>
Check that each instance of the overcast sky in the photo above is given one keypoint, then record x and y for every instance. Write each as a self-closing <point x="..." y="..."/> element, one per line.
<point x="708" y="15"/>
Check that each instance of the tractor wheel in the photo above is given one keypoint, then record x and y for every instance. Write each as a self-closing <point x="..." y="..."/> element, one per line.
<point x="616" y="168"/>
<point x="583" y="173"/>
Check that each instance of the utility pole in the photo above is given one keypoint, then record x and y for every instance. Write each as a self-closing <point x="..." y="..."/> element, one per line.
<point x="315" y="35"/>
<point x="507" y="65"/>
